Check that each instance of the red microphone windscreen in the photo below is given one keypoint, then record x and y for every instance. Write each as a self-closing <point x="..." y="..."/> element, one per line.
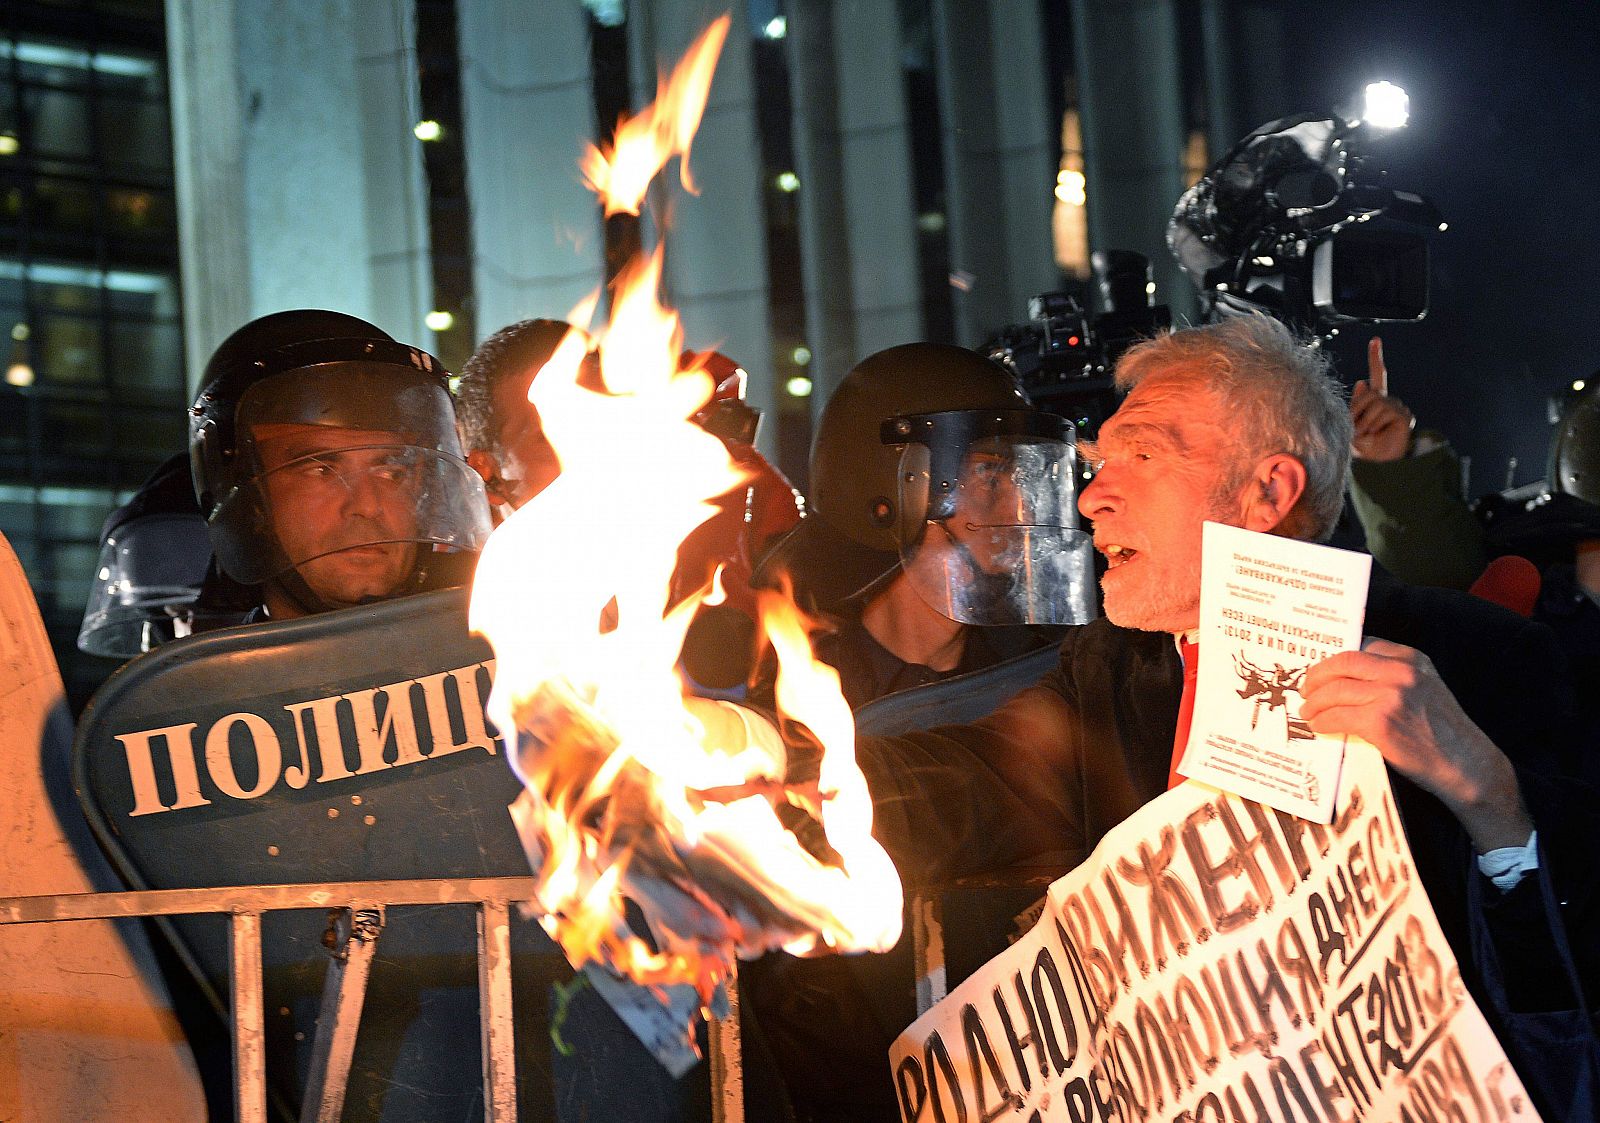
<point x="1510" y="581"/>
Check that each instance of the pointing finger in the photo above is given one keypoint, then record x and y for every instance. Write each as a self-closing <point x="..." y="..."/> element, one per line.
<point x="1377" y="373"/>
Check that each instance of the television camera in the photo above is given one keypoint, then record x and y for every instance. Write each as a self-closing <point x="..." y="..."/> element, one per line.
<point x="1297" y="220"/>
<point x="1063" y="357"/>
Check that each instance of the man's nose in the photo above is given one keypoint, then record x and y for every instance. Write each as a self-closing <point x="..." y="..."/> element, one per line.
<point x="1099" y="496"/>
<point x="361" y="493"/>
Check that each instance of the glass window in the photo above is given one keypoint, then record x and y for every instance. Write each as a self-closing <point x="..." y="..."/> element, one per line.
<point x="74" y="564"/>
<point x="67" y="349"/>
<point x="139" y="213"/>
<point x="147" y="354"/>
<point x="85" y="177"/>
<point x="149" y="10"/>
<point x="57" y="122"/>
<point x="134" y="134"/>
<point x="11" y="197"/>
<point x="64" y="204"/>
<point x="77" y="521"/>
<point x="129" y="72"/>
<point x="146" y="295"/>
<point x="73" y="429"/>
<point x="150" y="434"/>
<point x="65" y="288"/>
<point x="13" y="418"/>
<point x="25" y="545"/>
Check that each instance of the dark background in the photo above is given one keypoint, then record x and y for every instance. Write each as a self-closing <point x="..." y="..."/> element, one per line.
<point x="1505" y="103"/>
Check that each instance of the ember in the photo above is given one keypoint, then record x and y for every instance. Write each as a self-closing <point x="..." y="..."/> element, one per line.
<point x="633" y="790"/>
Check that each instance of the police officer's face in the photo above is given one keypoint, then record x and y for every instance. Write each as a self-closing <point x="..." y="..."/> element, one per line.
<point x="343" y="507"/>
<point x="988" y="505"/>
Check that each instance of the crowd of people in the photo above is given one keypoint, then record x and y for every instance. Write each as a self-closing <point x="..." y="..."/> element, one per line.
<point x="333" y="466"/>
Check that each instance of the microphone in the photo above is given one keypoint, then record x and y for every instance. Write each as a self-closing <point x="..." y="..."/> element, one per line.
<point x="1511" y="582"/>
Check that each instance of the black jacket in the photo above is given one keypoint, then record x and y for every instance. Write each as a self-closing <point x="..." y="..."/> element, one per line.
<point x="1046" y="776"/>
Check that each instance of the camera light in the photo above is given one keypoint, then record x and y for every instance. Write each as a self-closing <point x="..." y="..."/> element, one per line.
<point x="19" y="374"/>
<point x="428" y="130"/>
<point x="439" y="321"/>
<point x="9" y="144"/>
<point x="801" y="355"/>
<point x="788" y="182"/>
<point x="1443" y="226"/>
<point x="777" y="27"/>
<point x="1386" y="106"/>
<point x="799" y="386"/>
<point x="1579" y="384"/>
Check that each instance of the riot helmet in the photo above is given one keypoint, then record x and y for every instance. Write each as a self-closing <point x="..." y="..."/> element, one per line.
<point x="1575" y="448"/>
<point x="1545" y="522"/>
<point x="154" y="551"/>
<point x="326" y="460"/>
<point x="864" y="522"/>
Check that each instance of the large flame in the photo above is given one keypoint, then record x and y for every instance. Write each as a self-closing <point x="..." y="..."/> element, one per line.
<point x="634" y="791"/>
<point x="621" y="173"/>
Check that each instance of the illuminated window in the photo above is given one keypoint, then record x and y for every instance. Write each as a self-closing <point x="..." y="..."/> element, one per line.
<point x="1069" y="223"/>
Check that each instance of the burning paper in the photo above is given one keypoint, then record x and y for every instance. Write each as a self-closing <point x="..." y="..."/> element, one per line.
<point x="635" y="792"/>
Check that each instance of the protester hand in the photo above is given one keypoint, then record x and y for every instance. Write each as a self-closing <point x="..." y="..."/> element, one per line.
<point x="1392" y="697"/>
<point x="1383" y="424"/>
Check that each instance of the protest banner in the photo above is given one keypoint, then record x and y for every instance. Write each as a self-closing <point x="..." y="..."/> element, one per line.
<point x="1218" y="961"/>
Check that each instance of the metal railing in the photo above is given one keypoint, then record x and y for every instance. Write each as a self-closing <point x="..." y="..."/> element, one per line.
<point x="361" y="906"/>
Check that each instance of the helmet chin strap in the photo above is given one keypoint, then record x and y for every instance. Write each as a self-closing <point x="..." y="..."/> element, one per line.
<point x="310" y="602"/>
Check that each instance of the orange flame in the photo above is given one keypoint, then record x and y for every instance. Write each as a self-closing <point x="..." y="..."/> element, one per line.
<point x="633" y="790"/>
<point x="620" y="173"/>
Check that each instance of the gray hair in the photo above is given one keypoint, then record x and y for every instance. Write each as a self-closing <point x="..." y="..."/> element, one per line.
<point x="1279" y="396"/>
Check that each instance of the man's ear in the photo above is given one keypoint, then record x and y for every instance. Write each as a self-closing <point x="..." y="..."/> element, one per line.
<point x="484" y="463"/>
<point x="1275" y="488"/>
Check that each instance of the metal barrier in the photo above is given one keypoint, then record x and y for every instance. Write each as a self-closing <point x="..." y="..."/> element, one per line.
<point x="361" y="909"/>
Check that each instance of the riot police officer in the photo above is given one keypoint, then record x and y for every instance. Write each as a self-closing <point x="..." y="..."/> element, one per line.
<point x="327" y="466"/>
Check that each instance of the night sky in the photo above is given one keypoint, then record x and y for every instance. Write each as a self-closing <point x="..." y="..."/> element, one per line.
<point x="1505" y="139"/>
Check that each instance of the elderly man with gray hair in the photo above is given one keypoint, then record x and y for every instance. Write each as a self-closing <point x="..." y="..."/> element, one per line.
<point x="1240" y="423"/>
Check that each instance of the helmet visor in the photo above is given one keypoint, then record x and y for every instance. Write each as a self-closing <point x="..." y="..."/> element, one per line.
<point x="371" y="505"/>
<point x="352" y="458"/>
<point x="989" y="530"/>
<point x="149" y="573"/>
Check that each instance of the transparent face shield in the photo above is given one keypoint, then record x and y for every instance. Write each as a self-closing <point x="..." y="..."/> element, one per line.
<point x="149" y="573"/>
<point x="360" y="463"/>
<point x="988" y="518"/>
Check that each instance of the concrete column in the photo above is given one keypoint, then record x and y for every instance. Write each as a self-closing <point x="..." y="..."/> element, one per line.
<point x="1133" y="130"/>
<point x="716" y="268"/>
<point x="208" y="160"/>
<point x="299" y="182"/>
<point x="528" y="107"/>
<point x="880" y="196"/>
<point x="857" y="200"/>
<point x="1000" y="158"/>
<point x="825" y="244"/>
<point x="399" y="253"/>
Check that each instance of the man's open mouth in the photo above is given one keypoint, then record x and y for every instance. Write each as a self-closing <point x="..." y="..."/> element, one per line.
<point x="1117" y="554"/>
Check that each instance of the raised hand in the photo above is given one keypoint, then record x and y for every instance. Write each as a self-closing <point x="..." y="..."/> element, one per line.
<point x="1383" y="424"/>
